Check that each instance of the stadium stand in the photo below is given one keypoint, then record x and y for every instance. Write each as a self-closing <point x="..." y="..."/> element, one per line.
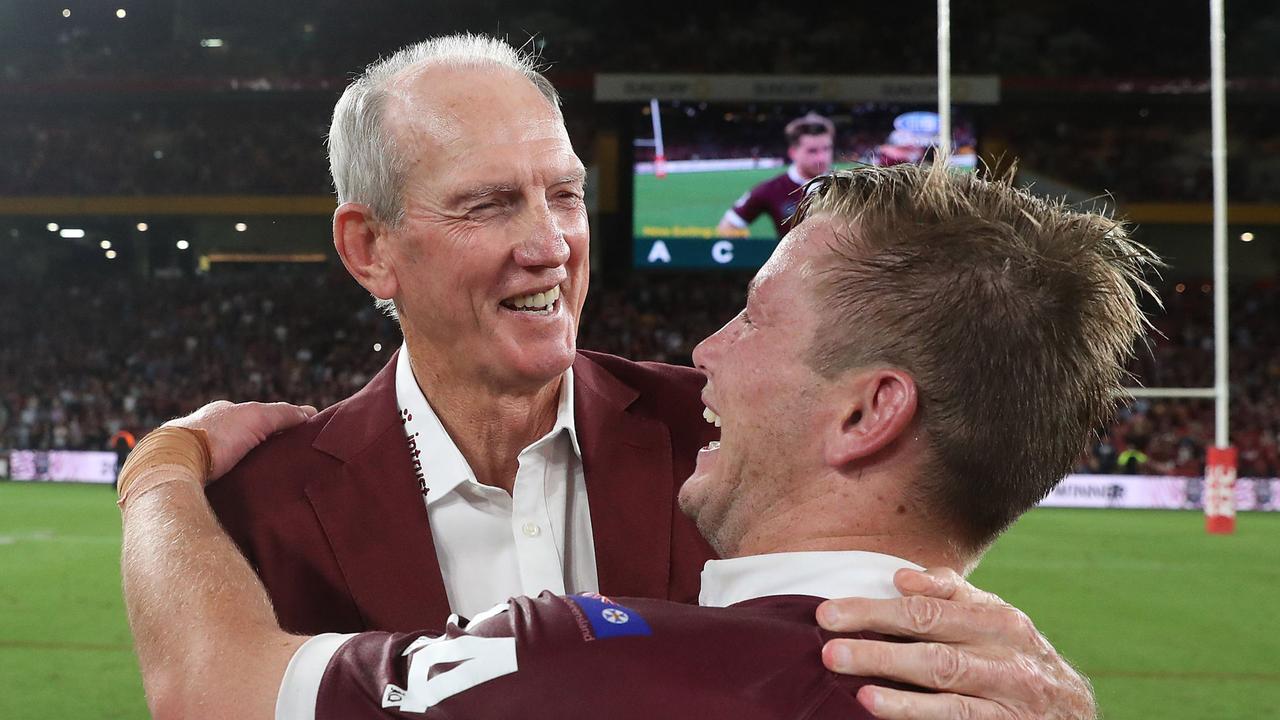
<point x="278" y="149"/>
<point x="144" y="108"/>
<point x="153" y="149"/>
<point x="329" y="39"/>
<point x="106" y="355"/>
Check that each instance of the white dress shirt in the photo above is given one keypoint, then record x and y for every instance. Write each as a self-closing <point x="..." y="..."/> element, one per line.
<point x="492" y="545"/>
<point x="833" y="574"/>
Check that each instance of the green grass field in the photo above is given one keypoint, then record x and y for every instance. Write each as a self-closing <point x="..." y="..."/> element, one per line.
<point x="696" y="200"/>
<point x="1169" y="622"/>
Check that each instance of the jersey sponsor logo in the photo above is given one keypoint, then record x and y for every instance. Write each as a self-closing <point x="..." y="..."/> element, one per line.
<point x="608" y="619"/>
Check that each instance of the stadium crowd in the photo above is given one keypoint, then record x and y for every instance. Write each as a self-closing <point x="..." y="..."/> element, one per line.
<point x="105" y="355"/>
<point x="329" y="38"/>
<point x="278" y="149"/>
<point x="156" y="149"/>
<point x="1168" y="437"/>
<point x="101" y="107"/>
<point x="1144" y="153"/>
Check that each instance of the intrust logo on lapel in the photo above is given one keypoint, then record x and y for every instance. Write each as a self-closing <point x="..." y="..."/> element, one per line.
<point x="415" y="459"/>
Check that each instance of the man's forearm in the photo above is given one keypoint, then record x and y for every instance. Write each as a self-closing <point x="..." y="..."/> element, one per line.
<point x="207" y="638"/>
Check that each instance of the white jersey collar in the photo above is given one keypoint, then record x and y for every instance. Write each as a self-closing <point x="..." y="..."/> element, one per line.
<point x="795" y="176"/>
<point x="836" y="574"/>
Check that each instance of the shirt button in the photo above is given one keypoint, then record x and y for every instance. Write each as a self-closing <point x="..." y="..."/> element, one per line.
<point x="531" y="530"/>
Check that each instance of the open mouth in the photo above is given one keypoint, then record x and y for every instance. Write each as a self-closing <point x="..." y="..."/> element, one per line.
<point x="539" y="303"/>
<point x="712" y="418"/>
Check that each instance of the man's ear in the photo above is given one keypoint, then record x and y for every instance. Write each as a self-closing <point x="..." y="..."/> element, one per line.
<point x="880" y="406"/>
<point x="362" y="243"/>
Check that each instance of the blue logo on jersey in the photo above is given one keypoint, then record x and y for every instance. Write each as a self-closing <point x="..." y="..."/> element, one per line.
<point x="609" y="619"/>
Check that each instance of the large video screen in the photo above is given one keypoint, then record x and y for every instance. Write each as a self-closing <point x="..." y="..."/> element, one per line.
<point x="715" y="184"/>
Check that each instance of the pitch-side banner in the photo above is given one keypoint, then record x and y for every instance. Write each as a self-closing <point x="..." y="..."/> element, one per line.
<point x="62" y="466"/>
<point x="909" y="89"/>
<point x="1157" y="493"/>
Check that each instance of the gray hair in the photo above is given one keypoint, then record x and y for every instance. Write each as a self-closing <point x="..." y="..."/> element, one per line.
<point x="363" y="160"/>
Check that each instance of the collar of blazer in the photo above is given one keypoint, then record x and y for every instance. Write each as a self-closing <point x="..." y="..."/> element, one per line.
<point x="377" y="526"/>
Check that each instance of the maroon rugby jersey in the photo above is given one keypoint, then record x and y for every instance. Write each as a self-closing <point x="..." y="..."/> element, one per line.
<point x="585" y="656"/>
<point x="777" y="197"/>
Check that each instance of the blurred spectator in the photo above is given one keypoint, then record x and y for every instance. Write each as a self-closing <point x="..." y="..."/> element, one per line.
<point x="243" y="148"/>
<point x="332" y="38"/>
<point x="101" y="356"/>
<point x="1138" y="153"/>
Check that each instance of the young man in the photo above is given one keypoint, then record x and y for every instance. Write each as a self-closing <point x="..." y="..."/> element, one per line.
<point x="918" y="364"/>
<point x="810" y="147"/>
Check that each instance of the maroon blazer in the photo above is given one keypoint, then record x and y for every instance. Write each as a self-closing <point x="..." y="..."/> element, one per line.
<point x="331" y="517"/>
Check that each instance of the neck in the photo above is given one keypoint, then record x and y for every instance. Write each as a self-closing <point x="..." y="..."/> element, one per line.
<point x="801" y="174"/>
<point x="807" y="519"/>
<point x="490" y="426"/>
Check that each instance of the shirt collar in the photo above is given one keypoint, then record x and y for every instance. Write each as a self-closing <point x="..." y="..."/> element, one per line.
<point x="838" y="574"/>
<point x="449" y="467"/>
<point x="795" y="176"/>
<point x="564" y="413"/>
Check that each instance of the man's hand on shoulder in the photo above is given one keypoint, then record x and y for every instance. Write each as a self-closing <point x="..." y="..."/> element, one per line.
<point x="985" y="657"/>
<point x="233" y="429"/>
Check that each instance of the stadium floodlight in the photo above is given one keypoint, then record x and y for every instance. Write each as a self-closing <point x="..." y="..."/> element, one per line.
<point x="241" y="227"/>
<point x="120" y="14"/>
<point x="211" y="43"/>
<point x="1246" y="237"/>
<point x="143" y="227"/>
<point x="111" y="254"/>
<point x="51" y="227"/>
<point x="66" y="12"/>
<point x="105" y="244"/>
<point x="72" y="233"/>
<point x="183" y="244"/>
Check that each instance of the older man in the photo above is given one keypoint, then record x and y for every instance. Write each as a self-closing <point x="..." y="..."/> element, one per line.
<point x="912" y="335"/>
<point x="488" y="459"/>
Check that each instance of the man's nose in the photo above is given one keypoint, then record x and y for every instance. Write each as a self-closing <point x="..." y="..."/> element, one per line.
<point x="544" y="244"/>
<point x="705" y="354"/>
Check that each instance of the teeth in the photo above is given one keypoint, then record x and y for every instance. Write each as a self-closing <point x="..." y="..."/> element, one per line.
<point x="537" y="301"/>
<point x="713" y="445"/>
<point x="710" y="416"/>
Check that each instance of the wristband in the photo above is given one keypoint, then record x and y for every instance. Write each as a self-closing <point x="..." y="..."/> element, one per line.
<point x="167" y="454"/>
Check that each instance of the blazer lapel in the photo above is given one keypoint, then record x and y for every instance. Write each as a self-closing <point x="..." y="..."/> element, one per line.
<point x="374" y="516"/>
<point x="626" y="460"/>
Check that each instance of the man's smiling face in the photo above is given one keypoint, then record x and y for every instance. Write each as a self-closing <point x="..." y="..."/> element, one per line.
<point x="763" y="392"/>
<point x="491" y="254"/>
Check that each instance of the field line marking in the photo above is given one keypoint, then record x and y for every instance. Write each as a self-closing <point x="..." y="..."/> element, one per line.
<point x="51" y="536"/>
<point x="1184" y="675"/>
<point x="55" y="645"/>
